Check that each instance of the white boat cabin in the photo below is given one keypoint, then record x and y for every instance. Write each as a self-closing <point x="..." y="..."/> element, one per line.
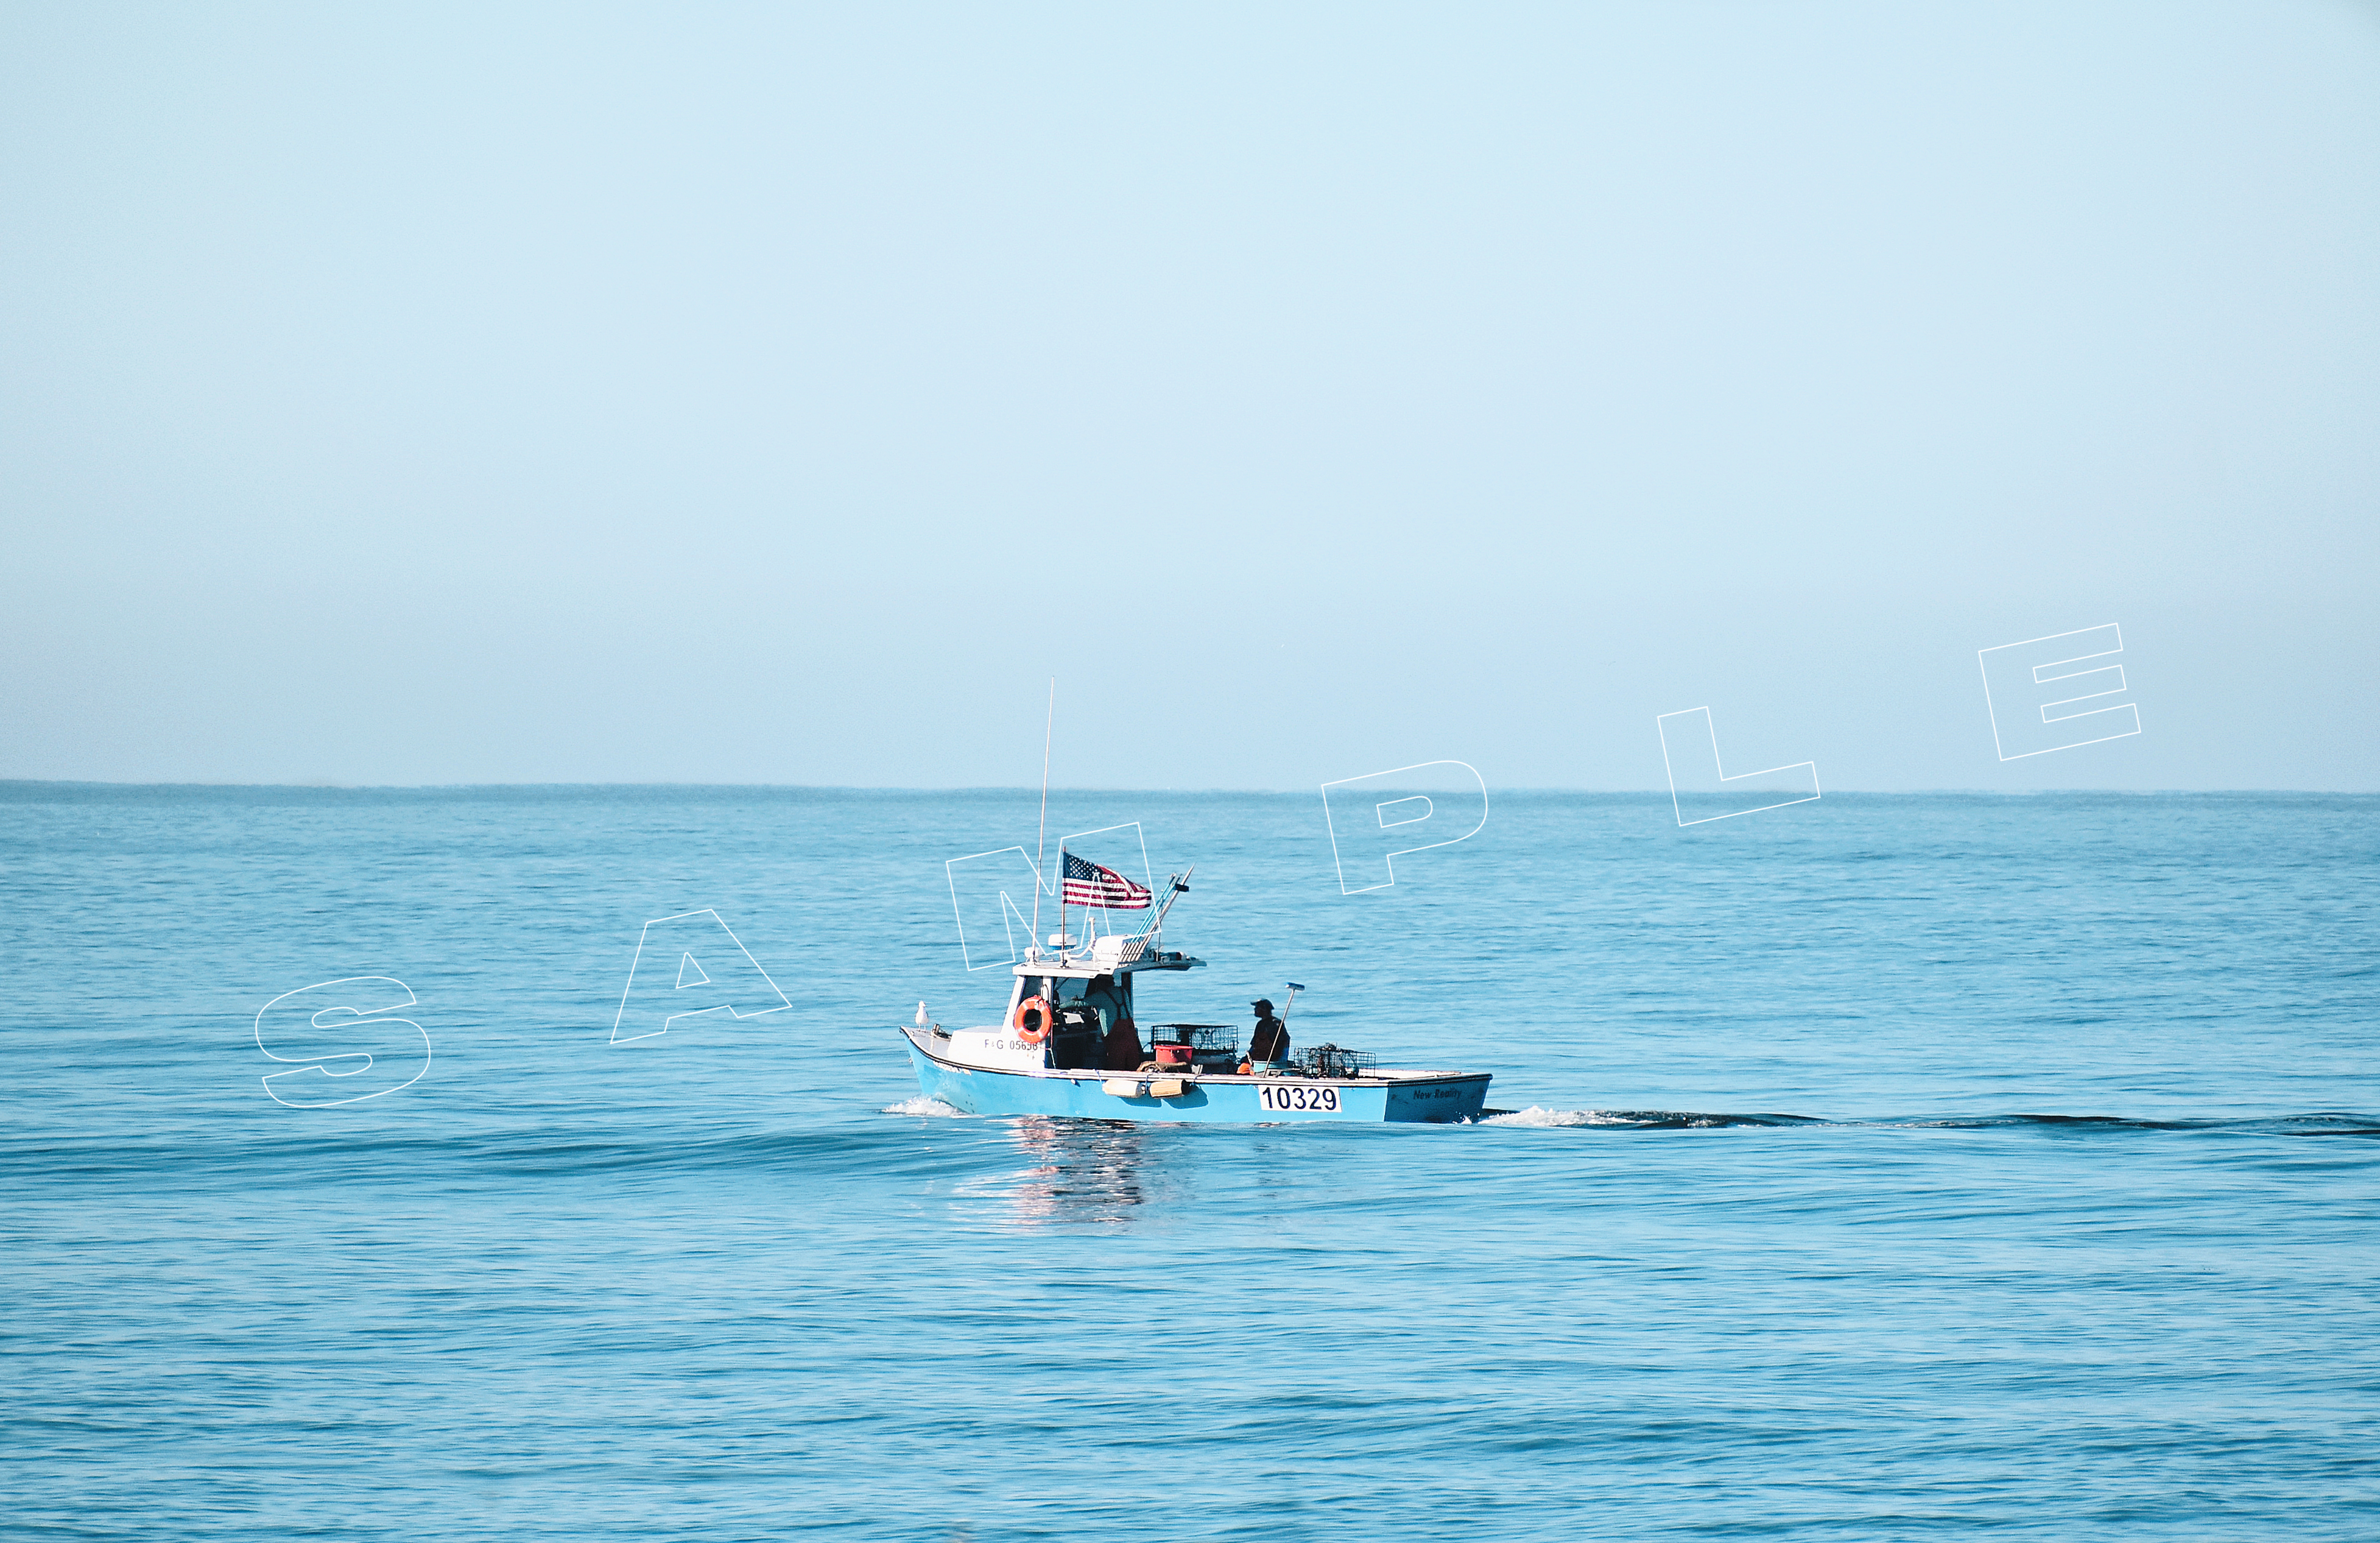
<point x="1065" y="1010"/>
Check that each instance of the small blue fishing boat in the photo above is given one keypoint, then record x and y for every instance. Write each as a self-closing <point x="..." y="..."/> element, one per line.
<point x="1069" y="1045"/>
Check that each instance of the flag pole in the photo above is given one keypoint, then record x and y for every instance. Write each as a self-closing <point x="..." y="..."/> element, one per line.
<point x="1040" y="835"/>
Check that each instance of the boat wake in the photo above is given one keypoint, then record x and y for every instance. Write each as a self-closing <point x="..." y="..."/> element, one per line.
<point x="922" y="1105"/>
<point x="1536" y="1117"/>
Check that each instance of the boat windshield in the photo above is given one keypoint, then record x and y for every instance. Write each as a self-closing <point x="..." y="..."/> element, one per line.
<point x="1086" y="1011"/>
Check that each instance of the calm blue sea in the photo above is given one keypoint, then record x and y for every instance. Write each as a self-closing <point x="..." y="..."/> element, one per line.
<point x="1881" y="1167"/>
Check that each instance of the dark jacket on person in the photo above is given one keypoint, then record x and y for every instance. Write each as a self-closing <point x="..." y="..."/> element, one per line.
<point x="1271" y="1041"/>
<point x="1122" y="1052"/>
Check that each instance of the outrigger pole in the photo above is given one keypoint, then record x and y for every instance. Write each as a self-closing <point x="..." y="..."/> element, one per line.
<point x="1176" y="886"/>
<point x="1034" y="946"/>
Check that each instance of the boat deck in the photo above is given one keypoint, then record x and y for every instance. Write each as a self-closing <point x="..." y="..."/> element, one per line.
<point x="1392" y="1093"/>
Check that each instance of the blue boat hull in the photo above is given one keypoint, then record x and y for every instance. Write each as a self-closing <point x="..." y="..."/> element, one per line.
<point x="1430" y="1098"/>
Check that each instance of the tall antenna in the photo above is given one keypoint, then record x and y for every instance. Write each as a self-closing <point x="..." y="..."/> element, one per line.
<point x="1043" y="833"/>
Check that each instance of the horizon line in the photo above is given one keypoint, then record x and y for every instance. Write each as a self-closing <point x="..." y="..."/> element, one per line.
<point x="29" y="782"/>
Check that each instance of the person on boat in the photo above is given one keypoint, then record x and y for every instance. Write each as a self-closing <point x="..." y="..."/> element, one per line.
<point x="1270" y="1040"/>
<point x="1083" y="1015"/>
<point x="1122" y="1052"/>
<point x="1076" y="1041"/>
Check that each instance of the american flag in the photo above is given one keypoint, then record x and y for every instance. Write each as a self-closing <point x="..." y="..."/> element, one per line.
<point x="1089" y="885"/>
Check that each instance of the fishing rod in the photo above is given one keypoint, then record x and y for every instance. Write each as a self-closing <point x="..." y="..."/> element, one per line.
<point x="1033" y="944"/>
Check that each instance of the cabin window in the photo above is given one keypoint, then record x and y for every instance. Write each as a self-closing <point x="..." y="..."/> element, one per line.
<point x="1111" y="996"/>
<point x="1100" y="1000"/>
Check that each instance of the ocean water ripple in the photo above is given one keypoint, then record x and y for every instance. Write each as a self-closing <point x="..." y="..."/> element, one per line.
<point x="1878" y="1167"/>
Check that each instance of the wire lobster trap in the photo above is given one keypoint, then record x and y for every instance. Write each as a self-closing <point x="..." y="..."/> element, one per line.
<point x="1204" y="1038"/>
<point x="1331" y="1061"/>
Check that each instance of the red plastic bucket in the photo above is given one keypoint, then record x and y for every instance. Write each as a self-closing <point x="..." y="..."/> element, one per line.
<point x="1173" y="1055"/>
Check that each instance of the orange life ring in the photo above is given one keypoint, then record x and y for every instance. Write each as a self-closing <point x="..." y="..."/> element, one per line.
<point x="1028" y="1032"/>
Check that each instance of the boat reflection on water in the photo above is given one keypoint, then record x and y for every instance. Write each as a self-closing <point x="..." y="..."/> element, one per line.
<point x="1078" y="1172"/>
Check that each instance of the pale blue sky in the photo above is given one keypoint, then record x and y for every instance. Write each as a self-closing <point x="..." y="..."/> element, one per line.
<point x="584" y="395"/>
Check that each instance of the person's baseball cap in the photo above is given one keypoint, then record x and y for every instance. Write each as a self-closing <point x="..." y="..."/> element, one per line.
<point x="1262" y="1002"/>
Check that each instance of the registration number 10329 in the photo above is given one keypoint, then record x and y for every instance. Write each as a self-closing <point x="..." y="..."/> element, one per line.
<point x="1297" y="1098"/>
